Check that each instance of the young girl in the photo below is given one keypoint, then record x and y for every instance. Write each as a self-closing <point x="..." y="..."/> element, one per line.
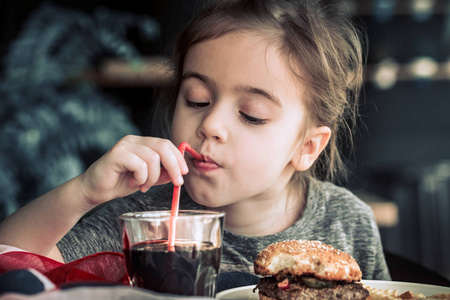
<point x="265" y="90"/>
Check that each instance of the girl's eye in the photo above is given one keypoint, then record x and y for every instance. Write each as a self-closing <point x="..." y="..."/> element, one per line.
<point x="196" y="104"/>
<point x="253" y="121"/>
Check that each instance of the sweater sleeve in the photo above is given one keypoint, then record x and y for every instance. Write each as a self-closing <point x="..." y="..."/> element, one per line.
<point x="339" y="218"/>
<point x="367" y="249"/>
<point x="371" y="255"/>
<point x="99" y="230"/>
<point x="368" y="240"/>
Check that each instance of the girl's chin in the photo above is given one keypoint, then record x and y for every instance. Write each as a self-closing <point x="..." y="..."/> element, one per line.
<point x="205" y="200"/>
<point x="205" y="193"/>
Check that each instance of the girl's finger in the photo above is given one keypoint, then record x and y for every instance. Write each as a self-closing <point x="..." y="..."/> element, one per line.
<point x="166" y="145"/>
<point x="157" y="152"/>
<point x="164" y="177"/>
<point x="132" y="163"/>
<point x="152" y="162"/>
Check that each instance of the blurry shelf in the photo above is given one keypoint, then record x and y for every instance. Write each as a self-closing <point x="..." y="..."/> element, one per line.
<point x="388" y="72"/>
<point x="399" y="7"/>
<point x="385" y="212"/>
<point x="156" y="71"/>
<point x="149" y="72"/>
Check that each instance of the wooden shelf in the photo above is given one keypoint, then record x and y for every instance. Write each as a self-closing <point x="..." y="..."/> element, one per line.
<point x="401" y="7"/>
<point x="385" y="212"/>
<point x="156" y="71"/>
<point x="150" y="72"/>
<point x="422" y="69"/>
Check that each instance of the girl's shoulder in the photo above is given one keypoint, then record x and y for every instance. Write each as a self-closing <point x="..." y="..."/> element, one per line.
<point x="330" y="194"/>
<point x="332" y="206"/>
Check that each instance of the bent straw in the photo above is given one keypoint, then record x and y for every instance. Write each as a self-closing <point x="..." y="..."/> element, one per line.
<point x="176" y="196"/>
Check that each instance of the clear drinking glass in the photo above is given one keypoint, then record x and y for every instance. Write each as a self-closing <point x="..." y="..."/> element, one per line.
<point x="191" y="267"/>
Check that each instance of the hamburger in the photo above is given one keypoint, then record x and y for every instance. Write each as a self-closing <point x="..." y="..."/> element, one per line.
<point x="301" y="269"/>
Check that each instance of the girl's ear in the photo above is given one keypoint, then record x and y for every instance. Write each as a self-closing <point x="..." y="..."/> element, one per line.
<point x="308" y="152"/>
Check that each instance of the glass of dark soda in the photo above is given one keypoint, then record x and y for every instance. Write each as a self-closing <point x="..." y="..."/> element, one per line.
<point x="183" y="262"/>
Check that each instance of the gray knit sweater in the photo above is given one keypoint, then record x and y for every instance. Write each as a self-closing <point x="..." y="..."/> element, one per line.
<point x="332" y="215"/>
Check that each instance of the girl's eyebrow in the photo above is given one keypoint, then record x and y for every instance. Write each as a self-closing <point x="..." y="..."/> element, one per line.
<point x="245" y="89"/>
<point x="198" y="76"/>
<point x="261" y="92"/>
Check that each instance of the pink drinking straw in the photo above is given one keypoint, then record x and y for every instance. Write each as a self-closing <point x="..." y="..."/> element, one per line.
<point x="176" y="196"/>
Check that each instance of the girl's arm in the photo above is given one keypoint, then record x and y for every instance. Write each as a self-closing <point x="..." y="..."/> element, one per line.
<point x="134" y="163"/>
<point x="38" y="226"/>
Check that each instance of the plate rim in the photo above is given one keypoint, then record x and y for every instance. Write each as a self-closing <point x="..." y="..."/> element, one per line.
<point x="405" y="283"/>
<point x="236" y="289"/>
<point x="364" y="281"/>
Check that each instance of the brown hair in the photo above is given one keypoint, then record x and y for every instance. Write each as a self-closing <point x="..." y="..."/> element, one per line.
<point x="320" y="43"/>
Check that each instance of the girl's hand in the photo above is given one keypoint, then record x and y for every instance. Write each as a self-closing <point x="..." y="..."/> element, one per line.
<point x="134" y="163"/>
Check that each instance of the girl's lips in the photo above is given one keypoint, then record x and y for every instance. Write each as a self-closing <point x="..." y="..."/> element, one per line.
<point x="208" y="164"/>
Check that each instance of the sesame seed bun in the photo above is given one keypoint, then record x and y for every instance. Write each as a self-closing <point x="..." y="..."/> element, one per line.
<point x="299" y="257"/>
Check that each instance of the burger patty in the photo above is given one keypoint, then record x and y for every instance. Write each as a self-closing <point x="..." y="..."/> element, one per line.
<point x="298" y="290"/>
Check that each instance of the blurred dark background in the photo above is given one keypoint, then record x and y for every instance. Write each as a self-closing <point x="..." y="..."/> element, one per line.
<point x="77" y="76"/>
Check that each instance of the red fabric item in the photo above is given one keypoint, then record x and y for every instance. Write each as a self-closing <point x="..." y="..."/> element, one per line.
<point x="104" y="266"/>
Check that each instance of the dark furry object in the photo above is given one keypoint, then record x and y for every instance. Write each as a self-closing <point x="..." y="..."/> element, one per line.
<point x="50" y="130"/>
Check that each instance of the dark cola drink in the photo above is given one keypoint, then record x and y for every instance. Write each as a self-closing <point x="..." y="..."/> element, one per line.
<point x="189" y="270"/>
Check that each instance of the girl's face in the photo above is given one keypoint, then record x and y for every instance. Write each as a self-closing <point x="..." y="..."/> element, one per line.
<point x="241" y="108"/>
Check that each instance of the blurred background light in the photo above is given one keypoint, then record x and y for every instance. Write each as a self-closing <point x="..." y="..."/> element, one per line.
<point x="384" y="10"/>
<point x="422" y="10"/>
<point x="423" y="67"/>
<point x="386" y="74"/>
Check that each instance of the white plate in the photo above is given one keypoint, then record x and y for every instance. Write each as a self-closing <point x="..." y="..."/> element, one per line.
<point x="426" y="289"/>
<point x="246" y="292"/>
<point x="242" y="293"/>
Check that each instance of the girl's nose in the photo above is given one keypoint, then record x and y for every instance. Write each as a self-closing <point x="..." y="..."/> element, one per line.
<point x="214" y="125"/>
